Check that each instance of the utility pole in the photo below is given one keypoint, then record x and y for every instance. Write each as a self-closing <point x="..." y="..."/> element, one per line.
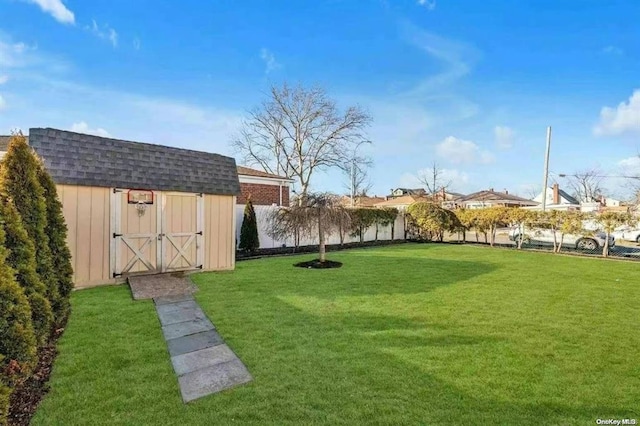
<point x="546" y="170"/>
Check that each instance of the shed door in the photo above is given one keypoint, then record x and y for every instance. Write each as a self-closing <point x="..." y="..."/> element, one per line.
<point x="182" y="231"/>
<point x="135" y="246"/>
<point x="167" y="236"/>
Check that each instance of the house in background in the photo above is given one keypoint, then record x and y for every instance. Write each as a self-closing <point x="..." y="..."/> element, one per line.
<point x="361" y="201"/>
<point x="491" y="198"/>
<point x="401" y="203"/>
<point x="557" y="199"/>
<point x="400" y="192"/>
<point x="265" y="189"/>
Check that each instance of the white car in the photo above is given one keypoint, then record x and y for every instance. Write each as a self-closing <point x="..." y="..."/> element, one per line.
<point x="627" y="233"/>
<point x="585" y="242"/>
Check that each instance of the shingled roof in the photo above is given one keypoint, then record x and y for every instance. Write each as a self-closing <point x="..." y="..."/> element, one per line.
<point x="247" y="171"/>
<point x="86" y="160"/>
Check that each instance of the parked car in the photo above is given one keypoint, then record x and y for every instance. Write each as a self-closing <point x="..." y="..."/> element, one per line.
<point x="627" y="233"/>
<point x="590" y="242"/>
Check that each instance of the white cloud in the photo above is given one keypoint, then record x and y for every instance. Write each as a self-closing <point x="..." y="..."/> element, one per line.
<point x="631" y="164"/>
<point x="104" y="32"/>
<point x="459" y="151"/>
<point x="136" y="43"/>
<point x="3" y="79"/>
<point x="456" y="57"/>
<point x="269" y="60"/>
<point x="83" y="127"/>
<point x="623" y="119"/>
<point x="3" y="104"/>
<point x="612" y="50"/>
<point x="504" y="136"/>
<point x="57" y="9"/>
<point x="428" y="4"/>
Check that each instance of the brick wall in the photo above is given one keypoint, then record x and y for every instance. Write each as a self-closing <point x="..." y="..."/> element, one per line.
<point x="263" y="195"/>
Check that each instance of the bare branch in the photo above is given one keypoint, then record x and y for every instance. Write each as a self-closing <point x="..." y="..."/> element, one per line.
<point x="296" y="131"/>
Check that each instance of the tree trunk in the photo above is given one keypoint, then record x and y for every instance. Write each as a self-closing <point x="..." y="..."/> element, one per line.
<point x="555" y="240"/>
<point x="321" y="244"/>
<point x="376" y="231"/>
<point x="605" y="249"/>
<point x="361" y="234"/>
<point x="393" y="229"/>
<point x="485" y="237"/>
<point x="560" y="243"/>
<point x="464" y="236"/>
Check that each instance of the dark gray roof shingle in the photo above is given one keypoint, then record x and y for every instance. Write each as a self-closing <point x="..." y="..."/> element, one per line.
<point x="86" y="160"/>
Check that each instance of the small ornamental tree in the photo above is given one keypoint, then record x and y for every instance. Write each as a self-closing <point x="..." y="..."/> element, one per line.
<point x="609" y="221"/>
<point x="249" y="240"/>
<point x="17" y="338"/>
<point x="432" y="221"/>
<point x="315" y="214"/>
<point x="385" y="217"/>
<point x="56" y="230"/>
<point x="361" y="220"/>
<point x="19" y="178"/>
<point x="21" y="257"/>
<point x="571" y="224"/>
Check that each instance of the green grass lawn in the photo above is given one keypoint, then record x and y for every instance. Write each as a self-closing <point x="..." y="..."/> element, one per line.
<point x="411" y="334"/>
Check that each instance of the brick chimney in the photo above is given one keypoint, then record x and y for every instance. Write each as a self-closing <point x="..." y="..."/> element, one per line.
<point x="556" y="194"/>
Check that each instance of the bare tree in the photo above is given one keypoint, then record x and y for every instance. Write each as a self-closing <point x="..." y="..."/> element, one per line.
<point x="296" y="131"/>
<point x="321" y="213"/>
<point x="433" y="179"/>
<point x="586" y="185"/>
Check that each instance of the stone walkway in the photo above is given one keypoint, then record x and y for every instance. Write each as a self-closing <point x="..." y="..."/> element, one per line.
<point x="202" y="361"/>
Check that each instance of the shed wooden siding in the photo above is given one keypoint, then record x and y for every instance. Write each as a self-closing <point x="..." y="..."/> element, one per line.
<point x="219" y="228"/>
<point x="87" y="212"/>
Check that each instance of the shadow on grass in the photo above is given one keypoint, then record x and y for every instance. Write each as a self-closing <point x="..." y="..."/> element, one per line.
<point x="389" y="275"/>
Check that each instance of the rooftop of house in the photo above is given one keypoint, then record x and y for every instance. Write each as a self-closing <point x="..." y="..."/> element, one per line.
<point x="361" y="201"/>
<point x="403" y="200"/>
<point x="247" y="171"/>
<point x="87" y="160"/>
<point x="496" y="197"/>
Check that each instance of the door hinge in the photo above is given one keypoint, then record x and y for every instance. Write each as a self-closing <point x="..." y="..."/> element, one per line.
<point x="199" y="233"/>
<point x="199" y="267"/>
<point x="116" y="235"/>
<point x="116" y="190"/>
<point x="116" y="275"/>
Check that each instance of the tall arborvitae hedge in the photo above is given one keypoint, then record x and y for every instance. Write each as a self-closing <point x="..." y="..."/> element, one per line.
<point x="17" y="338"/>
<point x="249" y="239"/>
<point x="19" y="177"/>
<point x="21" y="258"/>
<point x="56" y="230"/>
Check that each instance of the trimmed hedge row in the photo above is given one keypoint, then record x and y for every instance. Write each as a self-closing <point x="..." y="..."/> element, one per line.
<point x="35" y="265"/>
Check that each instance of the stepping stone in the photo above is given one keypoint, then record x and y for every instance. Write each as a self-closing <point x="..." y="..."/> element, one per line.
<point x="193" y="342"/>
<point x="180" y="315"/>
<point x="216" y="378"/>
<point x="177" y="306"/>
<point x="186" y="328"/>
<point x="192" y="361"/>
<point x="163" y="300"/>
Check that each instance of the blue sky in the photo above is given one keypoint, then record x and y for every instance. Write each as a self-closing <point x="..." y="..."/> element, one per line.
<point x="471" y="85"/>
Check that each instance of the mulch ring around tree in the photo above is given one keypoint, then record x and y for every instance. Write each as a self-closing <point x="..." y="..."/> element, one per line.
<point x="316" y="264"/>
<point x="25" y="398"/>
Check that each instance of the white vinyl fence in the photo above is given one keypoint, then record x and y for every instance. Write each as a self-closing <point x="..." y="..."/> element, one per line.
<point x="262" y="212"/>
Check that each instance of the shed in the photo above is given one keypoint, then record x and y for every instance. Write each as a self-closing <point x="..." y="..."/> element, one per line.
<point x="138" y="208"/>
